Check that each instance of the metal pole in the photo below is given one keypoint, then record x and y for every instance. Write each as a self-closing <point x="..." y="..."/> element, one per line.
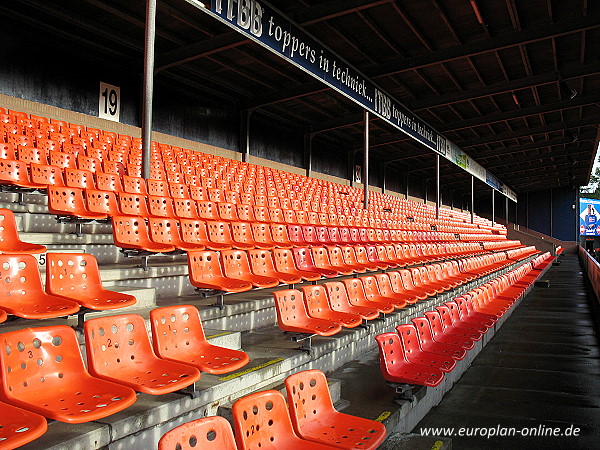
<point x="493" y="207"/>
<point x="383" y="167"/>
<point x="308" y="138"/>
<point x="472" y="199"/>
<point x="366" y="161"/>
<point x="506" y="199"/>
<point x="148" y="87"/>
<point x="437" y="186"/>
<point x="407" y="186"/>
<point x="245" y="135"/>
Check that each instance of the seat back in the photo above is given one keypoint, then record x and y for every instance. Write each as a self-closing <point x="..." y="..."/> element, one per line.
<point x="39" y="359"/>
<point x="303" y="258"/>
<point x="261" y="262"/>
<point x="193" y="231"/>
<point x="280" y="234"/>
<point x="261" y="420"/>
<point x="175" y="329"/>
<point x="9" y="235"/>
<point x="290" y="307"/>
<point x="371" y="287"/>
<point x="383" y="283"/>
<point x="317" y="303"/>
<point x="424" y="330"/>
<point x="207" y="433"/>
<point x="284" y="259"/>
<point x="133" y="204"/>
<point x="116" y="342"/>
<point x="72" y="275"/>
<point x="409" y="337"/>
<point x="130" y="231"/>
<point x="308" y="397"/>
<point x="236" y="264"/>
<point x="161" y="206"/>
<point x="391" y="353"/>
<point x="204" y="266"/>
<point x="103" y="202"/>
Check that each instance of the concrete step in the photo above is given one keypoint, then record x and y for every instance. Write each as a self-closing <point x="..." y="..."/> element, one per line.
<point x="272" y="358"/>
<point x="409" y="441"/>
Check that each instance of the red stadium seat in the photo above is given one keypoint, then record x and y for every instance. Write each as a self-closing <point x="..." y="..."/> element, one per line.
<point x="284" y="262"/>
<point x="262" y="263"/>
<point x="339" y="301"/>
<point x="357" y="296"/>
<point x="43" y="372"/>
<point x="315" y="418"/>
<point x="428" y="343"/>
<point x="205" y="272"/>
<point x="207" y="433"/>
<point x="18" y="426"/>
<point x="131" y="232"/>
<point x="262" y="420"/>
<point x="318" y="306"/>
<point x="236" y="265"/>
<point x="23" y="294"/>
<point x="292" y="315"/>
<point x="397" y="369"/>
<point x="76" y="276"/>
<point x="178" y="335"/>
<point x="119" y="350"/>
<point x="414" y="353"/>
<point x="10" y="242"/>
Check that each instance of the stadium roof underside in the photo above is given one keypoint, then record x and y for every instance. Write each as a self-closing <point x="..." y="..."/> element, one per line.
<point x="515" y="84"/>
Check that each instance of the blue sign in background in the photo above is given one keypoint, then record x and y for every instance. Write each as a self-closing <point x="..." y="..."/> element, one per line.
<point x="589" y="217"/>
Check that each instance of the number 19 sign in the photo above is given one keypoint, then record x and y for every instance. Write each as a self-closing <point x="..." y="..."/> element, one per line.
<point x="109" y="102"/>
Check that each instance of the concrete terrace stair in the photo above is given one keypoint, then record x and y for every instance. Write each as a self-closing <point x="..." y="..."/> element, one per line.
<point x="273" y="356"/>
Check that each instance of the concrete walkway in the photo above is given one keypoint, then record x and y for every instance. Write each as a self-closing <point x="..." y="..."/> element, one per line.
<point x="540" y="372"/>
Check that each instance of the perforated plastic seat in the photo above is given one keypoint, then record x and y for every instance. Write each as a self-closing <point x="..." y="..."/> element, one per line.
<point x="456" y="327"/>
<point x="414" y="353"/>
<point x="43" y="372"/>
<point x="131" y="232"/>
<point x="207" y="433"/>
<point x="220" y="232"/>
<point x="304" y="261"/>
<point x="318" y="306"/>
<point x="236" y="265"/>
<point x="373" y="294"/>
<point x="205" y="272"/>
<point x="428" y="343"/>
<point x="292" y="315"/>
<point x="76" y="276"/>
<point x="357" y="296"/>
<point x="194" y="232"/>
<point x="10" y="241"/>
<point x="23" y="295"/>
<point x="70" y="201"/>
<point x="284" y="262"/>
<point x="321" y="260"/>
<point x="262" y="263"/>
<point x="18" y="426"/>
<point x="315" y="418"/>
<point x="178" y="335"/>
<point x="14" y="172"/>
<point x="262" y="420"/>
<point x="395" y="368"/>
<point x="448" y="335"/>
<point x="118" y="349"/>
<point x="338" y="299"/>
<point x="166" y="231"/>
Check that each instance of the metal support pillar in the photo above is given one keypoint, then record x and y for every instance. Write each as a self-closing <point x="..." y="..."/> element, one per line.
<point x="148" y="91"/>
<point x="308" y="138"/>
<point x="506" y="209"/>
<point x="383" y="167"/>
<point x="437" y="186"/>
<point x="245" y="134"/>
<point x="472" y="198"/>
<point x="365" y="175"/>
<point x="493" y="207"/>
<point x="406" y="185"/>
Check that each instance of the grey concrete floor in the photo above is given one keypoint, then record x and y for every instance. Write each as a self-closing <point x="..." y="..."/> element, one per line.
<point x="541" y="371"/>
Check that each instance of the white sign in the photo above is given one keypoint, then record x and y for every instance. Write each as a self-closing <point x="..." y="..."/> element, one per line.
<point x="358" y="174"/>
<point x="109" y="102"/>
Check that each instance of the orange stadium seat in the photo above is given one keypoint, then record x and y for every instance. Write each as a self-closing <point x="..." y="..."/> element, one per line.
<point x="262" y="420"/>
<point x="131" y="232"/>
<point x="19" y="427"/>
<point x="205" y="272"/>
<point x="207" y="433"/>
<point x="292" y="315"/>
<point x="76" y="276"/>
<point x="23" y="294"/>
<point x="315" y="418"/>
<point x="43" y="372"/>
<point x="178" y="335"/>
<point x="319" y="307"/>
<point x="396" y="368"/>
<point x="236" y="265"/>
<point x="118" y="350"/>
<point x="10" y="242"/>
